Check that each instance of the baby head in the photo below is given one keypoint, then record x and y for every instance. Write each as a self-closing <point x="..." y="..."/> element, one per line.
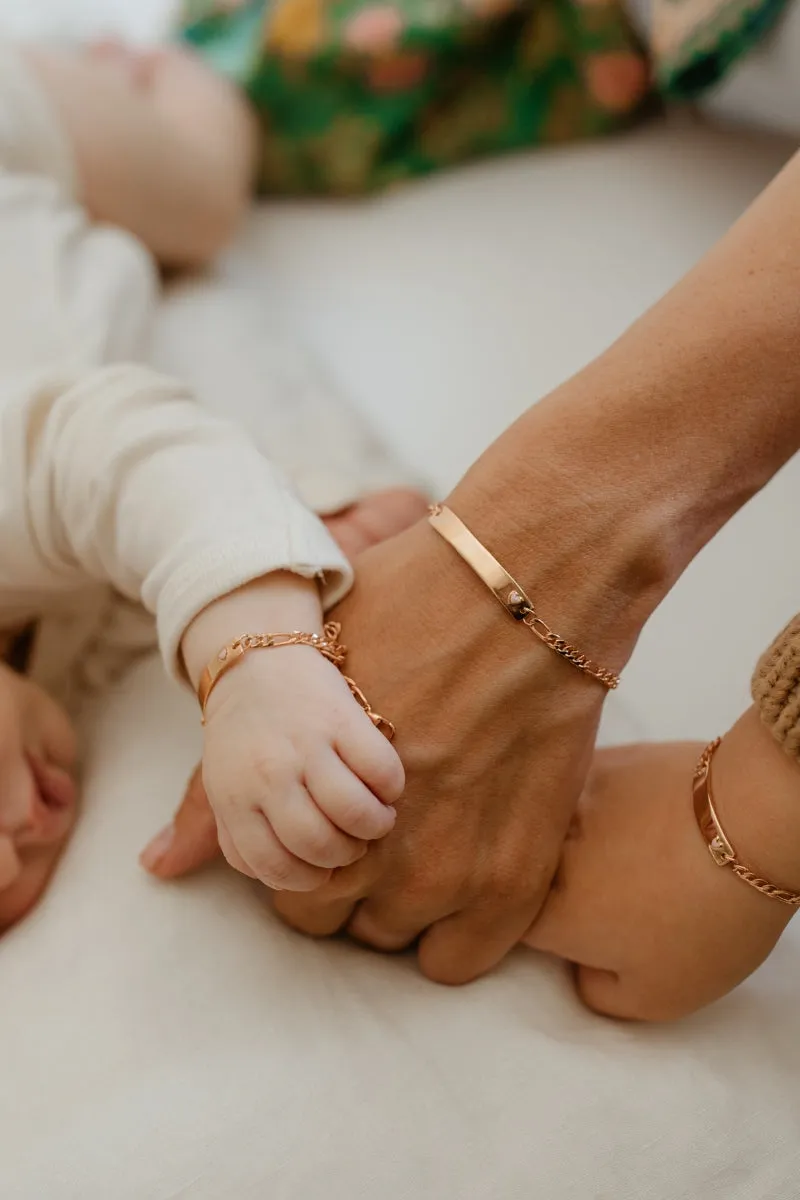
<point x="164" y="147"/>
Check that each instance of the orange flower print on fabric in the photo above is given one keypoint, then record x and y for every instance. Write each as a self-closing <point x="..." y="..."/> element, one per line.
<point x="616" y="81"/>
<point x="357" y="95"/>
<point x="296" y="28"/>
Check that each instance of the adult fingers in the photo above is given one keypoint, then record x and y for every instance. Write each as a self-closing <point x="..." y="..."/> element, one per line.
<point x="460" y="948"/>
<point x="305" y="913"/>
<point x="382" y="925"/>
<point x="189" y="841"/>
<point x="327" y="911"/>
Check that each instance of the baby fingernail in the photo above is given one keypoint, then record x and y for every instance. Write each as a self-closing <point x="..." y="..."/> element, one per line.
<point x="153" y="853"/>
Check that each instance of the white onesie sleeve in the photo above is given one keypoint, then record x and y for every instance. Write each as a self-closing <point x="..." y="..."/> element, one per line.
<point x="121" y="478"/>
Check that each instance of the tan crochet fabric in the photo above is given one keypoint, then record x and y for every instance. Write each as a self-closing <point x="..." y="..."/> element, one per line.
<point x="776" y="688"/>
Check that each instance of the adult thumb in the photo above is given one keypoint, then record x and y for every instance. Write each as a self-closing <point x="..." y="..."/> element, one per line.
<point x="189" y="841"/>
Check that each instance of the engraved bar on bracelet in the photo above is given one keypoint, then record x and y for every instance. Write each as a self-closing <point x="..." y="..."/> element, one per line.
<point x="505" y="587"/>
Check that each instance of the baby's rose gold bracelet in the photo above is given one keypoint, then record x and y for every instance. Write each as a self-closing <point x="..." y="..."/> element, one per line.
<point x="327" y="643"/>
<point x="510" y="594"/>
<point x="719" y="845"/>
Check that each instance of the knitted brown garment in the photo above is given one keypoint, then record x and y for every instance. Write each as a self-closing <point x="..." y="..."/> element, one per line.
<point x="776" y="688"/>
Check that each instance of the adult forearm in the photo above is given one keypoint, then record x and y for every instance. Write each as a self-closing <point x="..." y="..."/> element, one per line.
<point x="617" y="479"/>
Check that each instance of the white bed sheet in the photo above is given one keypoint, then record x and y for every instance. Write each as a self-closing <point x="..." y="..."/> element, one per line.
<point x="161" y="1043"/>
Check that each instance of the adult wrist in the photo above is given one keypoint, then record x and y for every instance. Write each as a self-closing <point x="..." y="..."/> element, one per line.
<point x="590" y="553"/>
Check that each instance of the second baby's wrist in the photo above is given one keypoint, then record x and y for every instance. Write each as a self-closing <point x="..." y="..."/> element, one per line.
<point x="756" y="786"/>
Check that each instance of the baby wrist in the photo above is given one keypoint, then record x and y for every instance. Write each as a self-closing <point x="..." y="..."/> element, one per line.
<point x="279" y="602"/>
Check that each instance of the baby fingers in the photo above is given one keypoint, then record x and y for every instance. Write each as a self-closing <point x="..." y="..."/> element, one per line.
<point x="371" y="756"/>
<point x="252" y="840"/>
<point x="343" y="798"/>
<point x="307" y="832"/>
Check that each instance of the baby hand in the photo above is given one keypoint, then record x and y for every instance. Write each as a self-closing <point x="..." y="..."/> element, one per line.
<point x="654" y="927"/>
<point x="299" y="778"/>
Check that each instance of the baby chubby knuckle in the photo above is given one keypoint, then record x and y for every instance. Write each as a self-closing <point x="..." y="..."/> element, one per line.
<point x="273" y="768"/>
<point x="358" y="814"/>
<point x="318" y="844"/>
<point x="353" y="819"/>
<point x="274" y="869"/>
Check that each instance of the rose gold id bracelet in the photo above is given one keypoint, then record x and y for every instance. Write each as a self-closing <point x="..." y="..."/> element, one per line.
<point x="326" y="643"/>
<point x="510" y="594"/>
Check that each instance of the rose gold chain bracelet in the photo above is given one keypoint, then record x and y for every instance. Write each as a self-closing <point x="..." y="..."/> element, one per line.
<point x="510" y="594"/>
<point x="326" y="643"/>
<point x="719" y="845"/>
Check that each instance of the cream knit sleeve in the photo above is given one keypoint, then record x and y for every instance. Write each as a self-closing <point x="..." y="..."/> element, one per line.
<point x="121" y="478"/>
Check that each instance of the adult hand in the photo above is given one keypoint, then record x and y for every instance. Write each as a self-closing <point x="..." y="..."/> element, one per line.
<point x="495" y="732"/>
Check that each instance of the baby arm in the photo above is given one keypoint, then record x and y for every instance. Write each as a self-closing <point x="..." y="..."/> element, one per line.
<point x="654" y="927"/>
<point x="297" y="775"/>
<point x="128" y="482"/>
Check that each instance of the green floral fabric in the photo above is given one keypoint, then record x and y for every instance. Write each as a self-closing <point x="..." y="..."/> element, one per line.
<point x="355" y="95"/>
